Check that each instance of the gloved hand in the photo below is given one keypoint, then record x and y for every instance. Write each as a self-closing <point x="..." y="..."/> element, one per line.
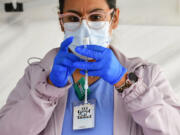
<point x="62" y="66"/>
<point x="106" y="65"/>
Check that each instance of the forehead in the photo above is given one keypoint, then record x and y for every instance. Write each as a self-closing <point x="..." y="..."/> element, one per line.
<point x="85" y="5"/>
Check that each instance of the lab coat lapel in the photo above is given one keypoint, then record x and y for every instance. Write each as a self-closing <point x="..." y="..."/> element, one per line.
<point x="122" y="118"/>
<point x="58" y="114"/>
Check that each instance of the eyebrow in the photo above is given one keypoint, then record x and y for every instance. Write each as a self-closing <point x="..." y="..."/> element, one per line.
<point x="97" y="9"/>
<point x="78" y="13"/>
<point x="74" y="11"/>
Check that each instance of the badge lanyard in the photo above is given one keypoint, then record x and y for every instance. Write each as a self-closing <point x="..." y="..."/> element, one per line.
<point x="84" y="111"/>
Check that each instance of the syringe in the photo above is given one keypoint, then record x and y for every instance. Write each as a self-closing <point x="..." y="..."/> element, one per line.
<point x="86" y="42"/>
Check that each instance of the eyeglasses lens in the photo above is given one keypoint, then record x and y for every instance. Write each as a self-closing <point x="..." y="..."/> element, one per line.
<point x="95" y="21"/>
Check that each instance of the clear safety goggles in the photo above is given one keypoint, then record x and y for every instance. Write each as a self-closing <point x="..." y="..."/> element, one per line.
<point x="76" y="20"/>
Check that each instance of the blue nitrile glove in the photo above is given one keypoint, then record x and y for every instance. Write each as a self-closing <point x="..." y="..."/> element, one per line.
<point x="62" y="66"/>
<point x="106" y="65"/>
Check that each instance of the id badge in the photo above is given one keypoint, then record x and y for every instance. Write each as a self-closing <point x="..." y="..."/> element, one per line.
<point x="84" y="115"/>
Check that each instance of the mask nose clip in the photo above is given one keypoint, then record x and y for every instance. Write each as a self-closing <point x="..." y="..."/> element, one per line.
<point x="84" y="22"/>
<point x="85" y="28"/>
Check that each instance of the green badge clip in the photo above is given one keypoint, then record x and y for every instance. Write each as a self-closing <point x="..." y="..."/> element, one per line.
<point x="80" y="90"/>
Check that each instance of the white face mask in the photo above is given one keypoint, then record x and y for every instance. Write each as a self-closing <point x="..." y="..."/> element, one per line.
<point x="99" y="37"/>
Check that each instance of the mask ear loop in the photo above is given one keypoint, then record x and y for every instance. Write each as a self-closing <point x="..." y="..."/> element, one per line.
<point x="112" y="17"/>
<point x="112" y="20"/>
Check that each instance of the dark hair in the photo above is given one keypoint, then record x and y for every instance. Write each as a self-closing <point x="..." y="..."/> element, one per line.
<point x="111" y="3"/>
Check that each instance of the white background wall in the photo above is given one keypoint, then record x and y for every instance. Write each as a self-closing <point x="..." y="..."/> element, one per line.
<point x="150" y="12"/>
<point x="148" y="29"/>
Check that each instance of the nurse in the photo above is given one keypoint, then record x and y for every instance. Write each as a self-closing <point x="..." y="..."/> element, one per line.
<point x="126" y="96"/>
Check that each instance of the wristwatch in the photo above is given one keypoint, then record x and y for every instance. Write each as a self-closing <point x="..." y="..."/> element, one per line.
<point x="130" y="79"/>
